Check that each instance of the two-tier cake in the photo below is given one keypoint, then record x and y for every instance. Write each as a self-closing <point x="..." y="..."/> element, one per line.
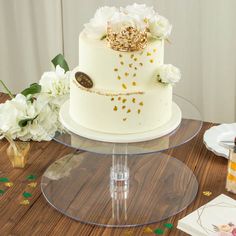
<point x="122" y="85"/>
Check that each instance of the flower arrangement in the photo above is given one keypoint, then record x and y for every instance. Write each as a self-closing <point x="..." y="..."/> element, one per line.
<point x="138" y="16"/>
<point x="33" y="113"/>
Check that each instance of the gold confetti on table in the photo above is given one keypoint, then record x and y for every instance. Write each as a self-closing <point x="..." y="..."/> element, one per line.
<point x="25" y="202"/>
<point x="207" y="193"/>
<point x="9" y="184"/>
<point x="32" y="185"/>
<point x="128" y="233"/>
<point x="148" y="230"/>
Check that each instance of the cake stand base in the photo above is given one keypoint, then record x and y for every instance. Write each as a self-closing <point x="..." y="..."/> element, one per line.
<point x="121" y="191"/>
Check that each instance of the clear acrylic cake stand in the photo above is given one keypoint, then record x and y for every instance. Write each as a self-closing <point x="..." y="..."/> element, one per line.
<point x="123" y="185"/>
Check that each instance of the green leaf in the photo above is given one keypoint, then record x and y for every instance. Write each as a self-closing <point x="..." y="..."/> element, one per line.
<point x="60" y="60"/>
<point x="32" y="89"/>
<point x="158" y="231"/>
<point x="1" y="192"/>
<point x="31" y="177"/>
<point x="168" y="225"/>
<point x="4" y="180"/>
<point x="24" y="122"/>
<point x="27" y="194"/>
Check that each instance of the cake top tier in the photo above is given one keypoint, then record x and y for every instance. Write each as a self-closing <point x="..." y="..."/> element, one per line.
<point x="127" y="29"/>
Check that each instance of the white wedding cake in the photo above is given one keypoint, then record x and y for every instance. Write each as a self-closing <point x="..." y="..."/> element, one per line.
<point x="122" y="85"/>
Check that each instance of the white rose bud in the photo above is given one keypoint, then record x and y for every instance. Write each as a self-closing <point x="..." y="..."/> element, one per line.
<point x="160" y="27"/>
<point x="168" y="74"/>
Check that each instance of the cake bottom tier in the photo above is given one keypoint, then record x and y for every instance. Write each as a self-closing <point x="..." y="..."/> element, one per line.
<point x="122" y="113"/>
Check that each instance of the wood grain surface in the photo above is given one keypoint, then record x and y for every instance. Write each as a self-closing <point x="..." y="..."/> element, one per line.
<point x="39" y="218"/>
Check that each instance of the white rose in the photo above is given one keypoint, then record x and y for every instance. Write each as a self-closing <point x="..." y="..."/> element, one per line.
<point x="97" y="26"/>
<point x="121" y="20"/>
<point x="141" y="10"/>
<point x="55" y="83"/>
<point x="168" y="74"/>
<point x="160" y="27"/>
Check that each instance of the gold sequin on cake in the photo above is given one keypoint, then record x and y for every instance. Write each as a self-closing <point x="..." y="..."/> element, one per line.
<point x="134" y="74"/>
<point x="128" y="111"/>
<point x="112" y="99"/>
<point x="116" y="69"/>
<point x="130" y="65"/>
<point x="124" y="119"/>
<point x="132" y="55"/>
<point x="120" y="55"/>
<point x="141" y="104"/>
<point x="123" y="107"/>
<point x="126" y="74"/>
<point x="124" y="86"/>
<point x="134" y="83"/>
<point x="151" y="61"/>
<point x="135" y="68"/>
<point x="118" y="77"/>
<point x="124" y="100"/>
<point x="122" y="63"/>
<point x="141" y="64"/>
<point x="133" y="100"/>
<point x="149" y="54"/>
<point x="154" y="50"/>
<point x="135" y="59"/>
<point x="119" y="98"/>
<point x="115" y="108"/>
<point x="139" y="111"/>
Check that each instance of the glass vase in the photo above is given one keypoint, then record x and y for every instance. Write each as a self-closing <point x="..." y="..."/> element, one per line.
<point x="17" y="153"/>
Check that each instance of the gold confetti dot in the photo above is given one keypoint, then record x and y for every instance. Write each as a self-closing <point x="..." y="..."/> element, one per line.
<point x="122" y="63"/>
<point x="124" y="100"/>
<point x="133" y="100"/>
<point x="112" y="99"/>
<point x="151" y="60"/>
<point x="25" y="202"/>
<point x="118" y="77"/>
<point x="120" y="55"/>
<point x="147" y="230"/>
<point x="124" y="119"/>
<point x="32" y="185"/>
<point x="135" y="68"/>
<point x="134" y="83"/>
<point x="9" y="184"/>
<point x="135" y="59"/>
<point x="130" y="65"/>
<point x="115" y="108"/>
<point x="134" y="74"/>
<point x="115" y="69"/>
<point x="149" y="54"/>
<point x="128" y="111"/>
<point x="124" y="86"/>
<point x="123" y="107"/>
<point x="132" y="55"/>
<point x="154" y="50"/>
<point x="207" y="193"/>
<point x="141" y="103"/>
<point x="126" y="74"/>
<point x="119" y="98"/>
<point x="139" y="111"/>
<point x="141" y="64"/>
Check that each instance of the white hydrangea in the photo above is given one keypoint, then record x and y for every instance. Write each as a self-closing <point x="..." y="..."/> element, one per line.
<point x="160" y="27"/>
<point x="97" y="26"/>
<point x="121" y="20"/>
<point x="168" y="74"/>
<point x="141" y="10"/>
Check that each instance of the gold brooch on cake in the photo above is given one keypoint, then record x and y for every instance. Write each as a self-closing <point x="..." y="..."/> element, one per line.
<point x="128" y="39"/>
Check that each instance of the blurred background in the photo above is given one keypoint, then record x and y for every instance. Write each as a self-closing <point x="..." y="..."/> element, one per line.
<point x="203" y="45"/>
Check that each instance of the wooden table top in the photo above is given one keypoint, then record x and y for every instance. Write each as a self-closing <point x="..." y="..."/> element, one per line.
<point x="39" y="218"/>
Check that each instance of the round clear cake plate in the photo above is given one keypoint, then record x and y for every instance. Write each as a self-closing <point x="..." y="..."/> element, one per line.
<point x="190" y="125"/>
<point x="123" y="185"/>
